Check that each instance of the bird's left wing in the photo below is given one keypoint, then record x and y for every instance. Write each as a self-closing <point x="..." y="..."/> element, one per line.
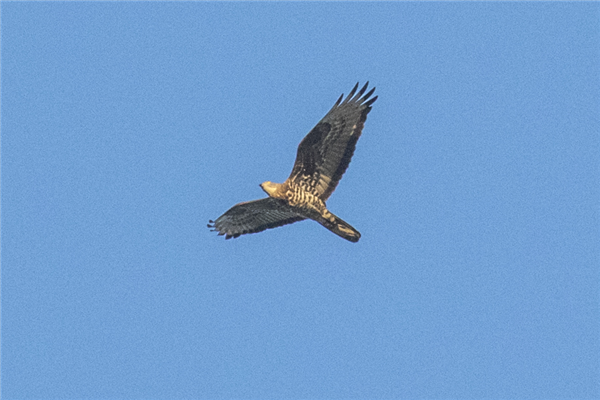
<point x="254" y="216"/>
<point x="325" y="153"/>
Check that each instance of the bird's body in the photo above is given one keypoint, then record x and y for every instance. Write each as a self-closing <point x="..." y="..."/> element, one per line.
<point x="323" y="157"/>
<point x="296" y="195"/>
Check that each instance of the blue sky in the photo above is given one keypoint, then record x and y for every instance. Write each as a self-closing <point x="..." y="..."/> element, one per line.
<point x="475" y="186"/>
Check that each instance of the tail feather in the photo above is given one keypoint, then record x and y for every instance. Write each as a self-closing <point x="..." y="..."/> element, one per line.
<point x="341" y="228"/>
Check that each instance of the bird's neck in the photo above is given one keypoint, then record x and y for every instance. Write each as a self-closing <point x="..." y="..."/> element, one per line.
<point x="275" y="190"/>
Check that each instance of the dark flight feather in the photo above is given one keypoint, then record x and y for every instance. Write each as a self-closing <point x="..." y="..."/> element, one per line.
<point x="254" y="216"/>
<point x="325" y="153"/>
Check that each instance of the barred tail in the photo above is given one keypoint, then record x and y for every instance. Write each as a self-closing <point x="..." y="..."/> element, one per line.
<point x="341" y="228"/>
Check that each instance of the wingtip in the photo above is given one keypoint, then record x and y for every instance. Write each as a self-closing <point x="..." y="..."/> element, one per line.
<point x="368" y="103"/>
<point x="351" y="94"/>
<point x="366" y="96"/>
<point x="356" y="97"/>
<point x="361" y="91"/>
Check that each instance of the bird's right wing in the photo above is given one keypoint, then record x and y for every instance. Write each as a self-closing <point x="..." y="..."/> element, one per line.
<point x="254" y="216"/>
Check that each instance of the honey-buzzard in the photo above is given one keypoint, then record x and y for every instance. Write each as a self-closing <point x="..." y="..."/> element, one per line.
<point x="322" y="158"/>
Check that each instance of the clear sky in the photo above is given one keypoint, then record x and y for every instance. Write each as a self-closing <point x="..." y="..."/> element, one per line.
<point x="475" y="186"/>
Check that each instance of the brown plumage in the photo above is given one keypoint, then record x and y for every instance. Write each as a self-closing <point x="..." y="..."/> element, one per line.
<point x="323" y="157"/>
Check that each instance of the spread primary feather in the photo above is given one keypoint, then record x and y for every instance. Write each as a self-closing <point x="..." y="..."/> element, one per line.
<point x="322" y="158"/>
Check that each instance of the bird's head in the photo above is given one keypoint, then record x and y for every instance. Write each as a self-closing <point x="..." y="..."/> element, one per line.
<point x="269" y="187"/>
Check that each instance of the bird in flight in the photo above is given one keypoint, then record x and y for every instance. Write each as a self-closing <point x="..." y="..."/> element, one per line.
<point x="322" y="158"/>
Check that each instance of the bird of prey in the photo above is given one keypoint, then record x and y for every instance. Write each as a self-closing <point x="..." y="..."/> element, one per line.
<point x="322" y="158"/>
